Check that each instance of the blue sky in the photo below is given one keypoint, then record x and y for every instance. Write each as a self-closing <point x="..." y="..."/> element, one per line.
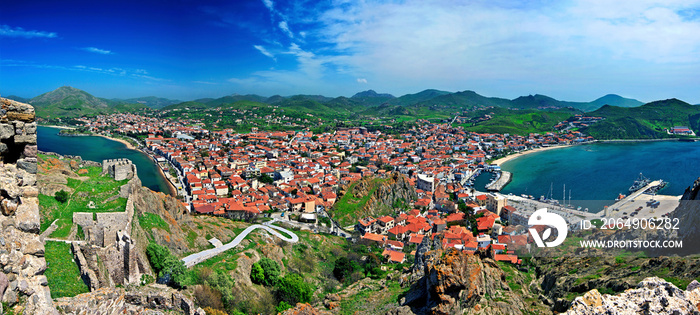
<point x="569" y="50"/>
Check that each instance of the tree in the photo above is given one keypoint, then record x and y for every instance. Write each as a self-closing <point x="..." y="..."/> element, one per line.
<point x="157" y="255"/>
<point x="170" y="269"/>
<point x="61" y="196"/>
<point x="292" y="289"/>
<point x="264" y="178"/>
<point x="265" y="272"/>
<point x="344" y="267"/>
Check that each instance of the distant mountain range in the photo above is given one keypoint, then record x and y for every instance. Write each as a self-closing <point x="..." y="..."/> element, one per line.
<point x="625" y="118"/>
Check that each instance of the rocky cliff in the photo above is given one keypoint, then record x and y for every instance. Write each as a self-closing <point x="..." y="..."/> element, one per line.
<point x="151" y="299"/>
<point x="650" y="296"/>
<point x="374" y="196"/>
<point x="688" y="215"/>
<point x="23" y="286"/>
<point x="456" y="282"/>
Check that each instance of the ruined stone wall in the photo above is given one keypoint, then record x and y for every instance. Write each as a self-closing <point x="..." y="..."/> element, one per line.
<point x="119" y="169"/>
<point x="111" y="223"/>
<point x="22" y="259"/>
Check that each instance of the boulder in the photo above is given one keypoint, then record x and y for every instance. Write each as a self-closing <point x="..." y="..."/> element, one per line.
<point x="27" y="216"/>
<point x="652" y="296"/>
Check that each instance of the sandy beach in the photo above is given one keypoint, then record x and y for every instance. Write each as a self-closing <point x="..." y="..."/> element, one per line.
<point x="522" y="153"/>
<point x="127" y="143"/>
<point x="59" y="127"/>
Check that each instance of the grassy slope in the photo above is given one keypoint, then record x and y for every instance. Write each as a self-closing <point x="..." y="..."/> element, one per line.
<point x="92" y="187"/>
<point x="520" y="122"/>
<point x="644" y="122"/>
<point x="62" y="273"/>
<point x="347" y="210"/>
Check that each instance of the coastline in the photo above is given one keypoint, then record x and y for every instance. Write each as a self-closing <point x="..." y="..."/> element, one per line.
<point x="127" y="143"/>
<point x="173" y="189"/>
<point x="507" y="158"/>
<point x="59" y="127"/>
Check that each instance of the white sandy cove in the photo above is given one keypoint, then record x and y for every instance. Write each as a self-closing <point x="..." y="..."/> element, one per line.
<point x="523" y="153"/>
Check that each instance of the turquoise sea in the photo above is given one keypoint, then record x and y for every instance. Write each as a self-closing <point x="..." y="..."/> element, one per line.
<point x="596" y="173"/>
<point x="98" y="149"/>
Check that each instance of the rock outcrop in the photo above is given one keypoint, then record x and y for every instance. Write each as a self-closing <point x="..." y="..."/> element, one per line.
<point x="23" y="285"/>
<point x="651" y="296"/>
<point x="688" y="215"/>
<point x="384" y="193"/>
<point x="151" y="299"/>
<point x="457" y="282"/>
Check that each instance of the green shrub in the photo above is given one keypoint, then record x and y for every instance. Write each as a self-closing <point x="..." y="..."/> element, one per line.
<point x="265" y="272"/>
<point x="293" y="289"/>
<point x="61" y="196"/>
<point x="170" y="270"/>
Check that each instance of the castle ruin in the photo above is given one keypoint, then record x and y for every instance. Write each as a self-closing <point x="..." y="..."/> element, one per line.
<point x="107" y="237"/>
<point x="119" y="169"/>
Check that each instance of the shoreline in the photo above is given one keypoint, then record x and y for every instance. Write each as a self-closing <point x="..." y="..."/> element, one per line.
<point x="58" y="127"/>
<point x="173" y="189"/>
<point x="510" y="157"/>
<point x="127" y="143"/>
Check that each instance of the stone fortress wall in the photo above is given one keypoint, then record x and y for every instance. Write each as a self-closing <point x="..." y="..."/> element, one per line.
<point x="22" y="262"/>
<point x="119" y="169"/>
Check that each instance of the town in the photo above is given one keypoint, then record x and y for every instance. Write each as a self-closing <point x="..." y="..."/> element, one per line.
<point x="299" y="174"/>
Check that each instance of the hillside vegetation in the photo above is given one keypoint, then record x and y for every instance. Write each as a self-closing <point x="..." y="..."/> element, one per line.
<point x="644" y="122"/>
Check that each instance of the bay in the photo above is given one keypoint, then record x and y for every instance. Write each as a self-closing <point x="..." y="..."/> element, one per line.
<point x="594" y="174"/>
<point x="97" y="149"/>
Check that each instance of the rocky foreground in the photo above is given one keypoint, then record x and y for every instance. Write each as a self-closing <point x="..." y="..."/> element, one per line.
<point x="651" y="296"/>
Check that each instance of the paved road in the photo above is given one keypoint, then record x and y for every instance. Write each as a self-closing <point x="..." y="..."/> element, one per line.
<point x="197" y="258"/>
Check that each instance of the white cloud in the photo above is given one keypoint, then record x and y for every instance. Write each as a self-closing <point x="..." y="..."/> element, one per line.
<point x="264" y="51"/>
<point x="497" y="48"/>
<point x="97" y="50"/>
<point x="7" y="31"/>
<point x="361" y="80"/>
<point x="463" y="45"/>
<point x="269" y="4"/>
<point x="285" y="28"/>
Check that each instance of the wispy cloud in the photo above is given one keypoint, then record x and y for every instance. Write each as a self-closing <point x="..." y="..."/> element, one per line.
<point x="97" y="50"/>
<point x="264" y="51"/>
<point x="285" y="28"/>
<point x="269" y="4"/>
<point x="362" y="80"/>
<point x="135" y="73"/>
<point x="7" y="31"/>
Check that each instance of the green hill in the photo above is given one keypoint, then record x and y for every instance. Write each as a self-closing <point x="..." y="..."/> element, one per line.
<point x="372" y="98"/>
<point x="150" y="101"/>
<point x="644" y="122"/>
<point x="68" y="102"/>
<point x="465" y="99"/>
<point x="614" y="100"/>
<point x="520" y="122"/>
<point x="410" y="99"/>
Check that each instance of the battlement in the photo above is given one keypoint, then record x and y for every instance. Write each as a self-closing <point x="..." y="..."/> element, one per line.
<point x="119" y="169"/>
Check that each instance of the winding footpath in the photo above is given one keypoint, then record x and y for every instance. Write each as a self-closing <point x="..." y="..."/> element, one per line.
<point x="197" y="258"/>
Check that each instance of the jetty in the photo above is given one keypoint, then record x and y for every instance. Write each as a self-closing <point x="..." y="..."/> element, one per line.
<point x="644" y="204"/>
<point x="500" y="182"/>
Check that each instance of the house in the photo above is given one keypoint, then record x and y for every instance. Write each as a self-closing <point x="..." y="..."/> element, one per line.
<point x="393" y="256"/>
<point x="373" y="239"/>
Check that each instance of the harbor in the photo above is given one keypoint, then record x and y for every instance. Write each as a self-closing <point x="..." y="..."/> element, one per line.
<point x="502" y="179"/>
<point x="643" y="203"/>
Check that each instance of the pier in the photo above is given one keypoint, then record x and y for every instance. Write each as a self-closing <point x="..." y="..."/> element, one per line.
<point x="638" y="199"/>
<point x="501" y="182"/>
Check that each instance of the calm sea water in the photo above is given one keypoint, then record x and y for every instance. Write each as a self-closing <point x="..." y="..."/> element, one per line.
<point x="98" y="149"/>
<point x="597" y="173"/>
